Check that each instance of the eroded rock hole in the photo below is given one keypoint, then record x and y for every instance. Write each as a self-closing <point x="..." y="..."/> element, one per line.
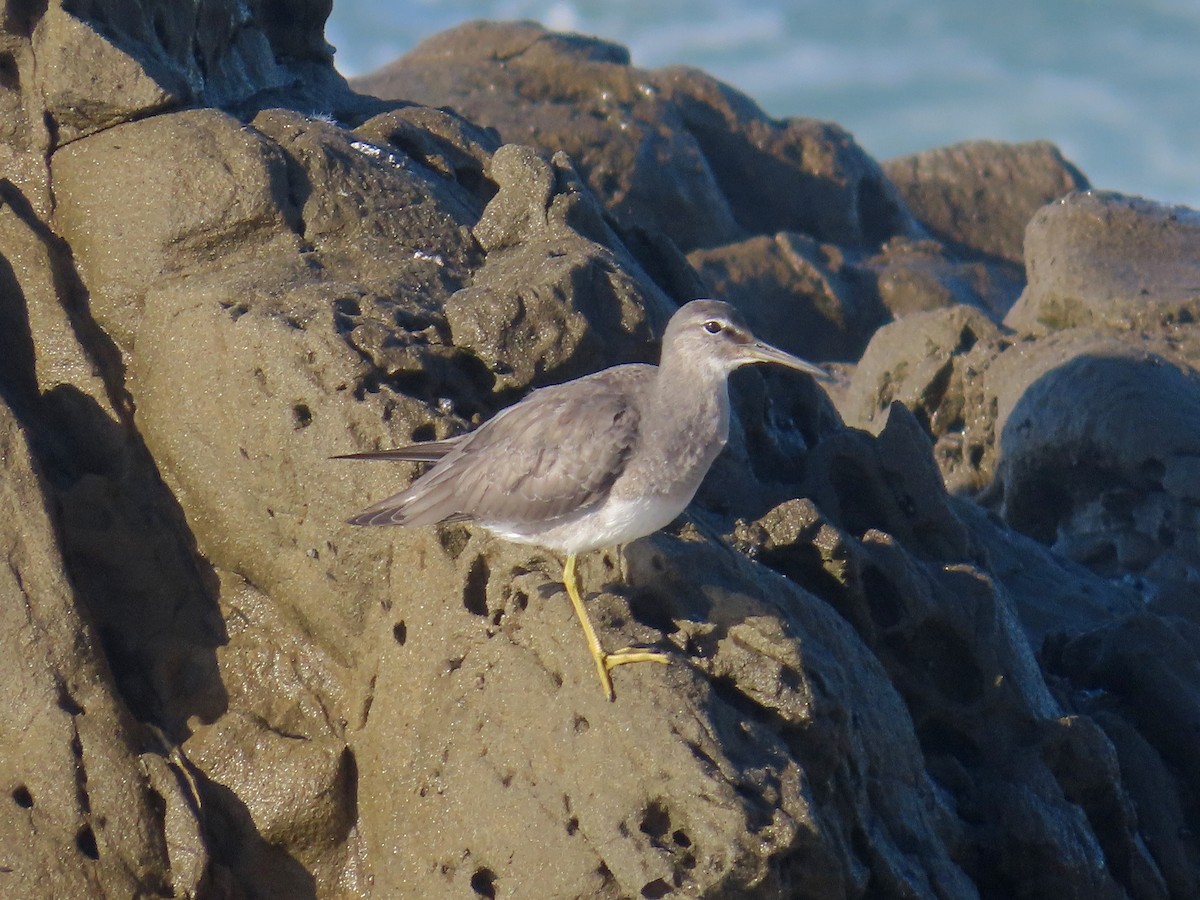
<point x="656" y="888"/>
<point x="67" y="703"/>
<point x="878" y="214"/>
<point x="935" y="393"/>
<point x="475" y="590"/>
<point x="1152" y="472"/>
<point x="400" y="632"/>
<point x="302" y="415"/>
<point x="606" y="875"/>
<point x="161" y="32"/>
<point x="656" y="822"/>
<point x="859" y="496"/>
<point x="1166" y="535"/>
<point x="454" y="539"/>
<point x="236" y="311"/>
<point x="85" y="841"/>
<point x="10" y="75"/>
<point x="966" y="340"/>
<point x="483" y="882"/>
<point x="938" y="738"/>
<point x="22" y="797"/>
<point x="347" y="307"/>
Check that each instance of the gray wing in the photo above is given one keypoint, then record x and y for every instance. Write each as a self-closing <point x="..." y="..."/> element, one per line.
<point x="427" y="451"/>
<point x="555" y="453"/>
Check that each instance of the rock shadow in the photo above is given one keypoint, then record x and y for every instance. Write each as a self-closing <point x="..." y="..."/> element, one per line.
<point x="125" y="543"/>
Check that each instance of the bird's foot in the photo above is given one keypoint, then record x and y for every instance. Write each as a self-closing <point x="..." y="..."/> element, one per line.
<point x="606" y="662"/>
<point x="632" y="655"/>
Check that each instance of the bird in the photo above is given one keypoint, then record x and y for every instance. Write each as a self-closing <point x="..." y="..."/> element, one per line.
<point x="595" y="462"/>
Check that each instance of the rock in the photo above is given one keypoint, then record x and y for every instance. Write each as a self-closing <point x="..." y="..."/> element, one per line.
<point x="218" y="688"/>
<point x="978" y="196"/>
<point x="544" y="222"/>
<point x="1113" y="261"/>
<point x="579" y="95"/>
<point x="816" y="179"/>
<point x="1087" y="428"/>
<point x="666" y="151"/>
<point x="703" y="801"/>
<point x="82" y="815"/>
<point x="237" y="180"/>
<point x="953" y="647"/>
<point x="932" y="362"/>
<point x="1053" y="597"/>
<point x="89" y="83"/>
<point x="975" y="198"/>
<point x="791" y="286"/>
<point x="914" y="276"/>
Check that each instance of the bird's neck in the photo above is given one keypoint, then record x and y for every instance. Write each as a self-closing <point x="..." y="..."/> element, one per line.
<point x="695" y="400"/>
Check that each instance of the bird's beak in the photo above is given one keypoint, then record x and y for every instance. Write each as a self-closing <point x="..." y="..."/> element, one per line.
<point x="761" y="352"/>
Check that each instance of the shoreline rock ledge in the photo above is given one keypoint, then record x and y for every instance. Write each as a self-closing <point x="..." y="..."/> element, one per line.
<point x="935" y="633"/>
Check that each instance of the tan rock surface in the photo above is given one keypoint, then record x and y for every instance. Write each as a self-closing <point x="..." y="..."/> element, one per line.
<point x="216" y="688"/>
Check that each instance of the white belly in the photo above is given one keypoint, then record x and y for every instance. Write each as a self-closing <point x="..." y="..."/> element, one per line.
<point x="616" y="521"/>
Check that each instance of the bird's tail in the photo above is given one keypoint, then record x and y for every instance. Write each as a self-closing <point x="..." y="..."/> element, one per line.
<point x="429" y="451"/>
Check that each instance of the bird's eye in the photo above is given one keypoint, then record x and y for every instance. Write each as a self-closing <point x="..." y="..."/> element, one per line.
<point x="712" y="326"/>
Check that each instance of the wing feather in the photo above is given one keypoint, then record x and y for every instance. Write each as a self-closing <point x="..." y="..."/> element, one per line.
<point x="429" y="451"/>
<point x="551" y="455"/>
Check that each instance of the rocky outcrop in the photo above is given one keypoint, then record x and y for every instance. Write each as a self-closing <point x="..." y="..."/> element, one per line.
<point x="879" y="687"/>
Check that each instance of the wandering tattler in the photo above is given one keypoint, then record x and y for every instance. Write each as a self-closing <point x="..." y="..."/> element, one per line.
<point x="595" y="462"/>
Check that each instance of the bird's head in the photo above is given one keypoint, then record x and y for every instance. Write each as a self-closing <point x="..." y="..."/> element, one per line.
<point x="714" y="335"/>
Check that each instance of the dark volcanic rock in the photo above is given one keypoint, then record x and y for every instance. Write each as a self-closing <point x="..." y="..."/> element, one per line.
<point x="216" y="688"/>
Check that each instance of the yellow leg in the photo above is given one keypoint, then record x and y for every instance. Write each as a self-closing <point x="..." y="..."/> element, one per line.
<point x="605" y="662"/>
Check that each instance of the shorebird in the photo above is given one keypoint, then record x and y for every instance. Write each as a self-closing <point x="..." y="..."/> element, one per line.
<point x="595" y="462"/>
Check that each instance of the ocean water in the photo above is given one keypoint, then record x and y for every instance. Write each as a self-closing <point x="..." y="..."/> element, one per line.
<point x="1114" y="83"/>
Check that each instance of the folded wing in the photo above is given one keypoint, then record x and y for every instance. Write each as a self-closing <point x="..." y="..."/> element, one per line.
<point x="553" y="455"/>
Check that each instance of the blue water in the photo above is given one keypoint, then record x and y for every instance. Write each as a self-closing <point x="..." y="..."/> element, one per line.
<point x="1114" y="83"/>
